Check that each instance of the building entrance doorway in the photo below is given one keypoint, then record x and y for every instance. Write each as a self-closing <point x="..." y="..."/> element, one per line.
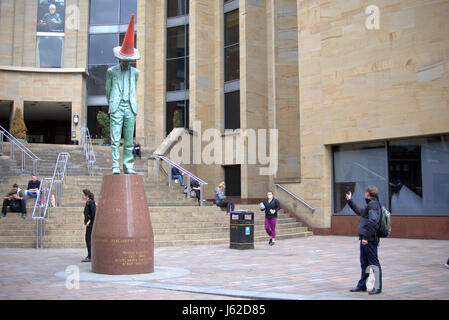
<point x="48" y="122"/>
<point x="5" y="114"/>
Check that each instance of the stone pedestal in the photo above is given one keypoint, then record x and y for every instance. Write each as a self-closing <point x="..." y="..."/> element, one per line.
<point x="122" y="236"/>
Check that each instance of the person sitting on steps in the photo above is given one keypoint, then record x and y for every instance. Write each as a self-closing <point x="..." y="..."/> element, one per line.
<point x="177" y="175"/>
<point x="220" y="199"/>
<point x="15" y="200"/>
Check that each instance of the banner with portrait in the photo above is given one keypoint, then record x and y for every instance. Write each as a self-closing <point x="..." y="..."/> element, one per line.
<point x="51" y="16"/>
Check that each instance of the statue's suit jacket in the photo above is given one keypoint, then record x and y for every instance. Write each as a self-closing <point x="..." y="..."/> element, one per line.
<point x="114" y="88"/>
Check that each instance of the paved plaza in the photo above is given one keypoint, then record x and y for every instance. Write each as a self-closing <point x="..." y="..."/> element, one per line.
<point x="312" y="268"/>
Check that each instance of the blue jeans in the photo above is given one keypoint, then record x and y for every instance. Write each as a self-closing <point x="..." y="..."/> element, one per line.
<point x="179" y="177"/>
<point x="368" y="257"/>
<point x="31" y="194"/>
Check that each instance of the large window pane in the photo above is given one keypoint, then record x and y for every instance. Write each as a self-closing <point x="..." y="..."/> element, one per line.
<point x="51" y="16"/>
<point x="232" y="63"/>
<point x="231" y="28"/>
<point x="232" y="110"/>
<point x="49" y="52"/>
<point x="180" y="119"/>
<point x="100" y="48"/>
<point x="176" y="74"/>
<point x="177" y="8"/>
<point x="127" y="8"/>
<point x="419" y="176"/>
<point x="96" y="82"/>
<point x="176" y="42"/>
<point x="355" y="168"/>
<point x="104" y="12"/>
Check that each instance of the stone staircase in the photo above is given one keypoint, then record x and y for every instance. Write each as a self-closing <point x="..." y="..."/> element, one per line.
<point x="176" y="220"/>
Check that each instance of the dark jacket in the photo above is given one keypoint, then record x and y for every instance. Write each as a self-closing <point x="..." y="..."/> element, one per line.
<point x="369" y="219"/>
<point x="274" y="204"/>
<point x="33" y="185"/>
<point x="89" y="212"/>
<point x="175" y="172"/>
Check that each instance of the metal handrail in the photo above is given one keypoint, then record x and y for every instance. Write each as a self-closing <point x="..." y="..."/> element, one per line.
<point x="25" y="151"/>
<point x="89" y="153"/>
<point x="45" y="193"/>
<point x="187" y="173"/>
<point x="296" y="197"/>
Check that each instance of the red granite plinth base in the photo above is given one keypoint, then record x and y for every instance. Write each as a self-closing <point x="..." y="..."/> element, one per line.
<point x="122" y="236"/>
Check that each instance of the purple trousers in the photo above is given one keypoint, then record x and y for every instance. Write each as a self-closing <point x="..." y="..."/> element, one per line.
<point x="270" y="226"/>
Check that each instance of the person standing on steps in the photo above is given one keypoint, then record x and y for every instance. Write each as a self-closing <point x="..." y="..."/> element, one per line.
<point x="271" y="207"/>
<point x="89" y="217"/>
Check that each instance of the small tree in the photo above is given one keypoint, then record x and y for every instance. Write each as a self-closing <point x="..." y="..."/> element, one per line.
<point x="176" y="120"/>
<point x="105" y="125"/>
<point x="18" y="127"/>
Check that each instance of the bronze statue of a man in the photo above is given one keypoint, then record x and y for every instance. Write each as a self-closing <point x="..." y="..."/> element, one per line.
<point x="121" y="83"/>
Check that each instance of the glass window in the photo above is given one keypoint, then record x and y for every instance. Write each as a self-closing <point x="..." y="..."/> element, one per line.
<point x="51" y="16"/>
<point x="176" y="75"/>
<point x="96" y="82"/>
<point x="177" y="8"/>
<point x="176" y="42"/>
<point x="100" y="48"/>
<point x="127" y="8"/>
<point x="419" y="175"/>
<point x="355" y="168"/>
<point x="232" y="49"/>
<point x="104" y="12"/>
<point x="417" y="182"/>
<point x="49" y="52"/>
<point x="232" y="110"/>
<point x="177" y="115"/>
<point x="231" y="28"/>
<point x="232" y="63"/>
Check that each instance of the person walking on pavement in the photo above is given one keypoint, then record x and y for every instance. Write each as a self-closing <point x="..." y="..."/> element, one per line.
<point x="369" y="223"/>
<point x="89" y="216"/>
<point x="271" y="207"/>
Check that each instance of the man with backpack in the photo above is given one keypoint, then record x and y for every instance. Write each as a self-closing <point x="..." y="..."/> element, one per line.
<point x="370" y="217"/>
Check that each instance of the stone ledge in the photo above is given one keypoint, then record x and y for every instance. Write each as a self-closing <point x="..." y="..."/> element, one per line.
<point x="43" y="70"/>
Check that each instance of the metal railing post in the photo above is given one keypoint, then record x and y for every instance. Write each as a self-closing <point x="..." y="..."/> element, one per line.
<point x="169" y="174"/>
<point x="201" y="194"/>
<point x="188" y="187"/>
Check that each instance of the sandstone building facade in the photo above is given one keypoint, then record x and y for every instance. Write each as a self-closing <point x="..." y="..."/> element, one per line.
<point x="324" y="96"/>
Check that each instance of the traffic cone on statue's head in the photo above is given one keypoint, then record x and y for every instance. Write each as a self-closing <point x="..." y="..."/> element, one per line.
<point x="127" y="52"/>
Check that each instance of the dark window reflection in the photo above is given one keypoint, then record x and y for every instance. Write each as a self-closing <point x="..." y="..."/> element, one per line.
<point x="177" y="115"/>
<point x="177" y="8"/>
<point x="232" y="28"/>
<point x="176" y="42"/>
<point x="232" y="63"/>
<point x="50" y="52"/>
<point x="104" y="12"/>
<point x="232" y="110"/>
<point x="100" y="48"/>
<point x="96" y="82"/>
<point x="176" y="74"/>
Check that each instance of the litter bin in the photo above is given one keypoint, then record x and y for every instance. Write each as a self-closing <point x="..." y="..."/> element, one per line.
<point x="242" y="230"/>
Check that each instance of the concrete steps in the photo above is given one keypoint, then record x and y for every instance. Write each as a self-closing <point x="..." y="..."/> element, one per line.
<point x="172" y="226"/>
<point x="176" y="220"/>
